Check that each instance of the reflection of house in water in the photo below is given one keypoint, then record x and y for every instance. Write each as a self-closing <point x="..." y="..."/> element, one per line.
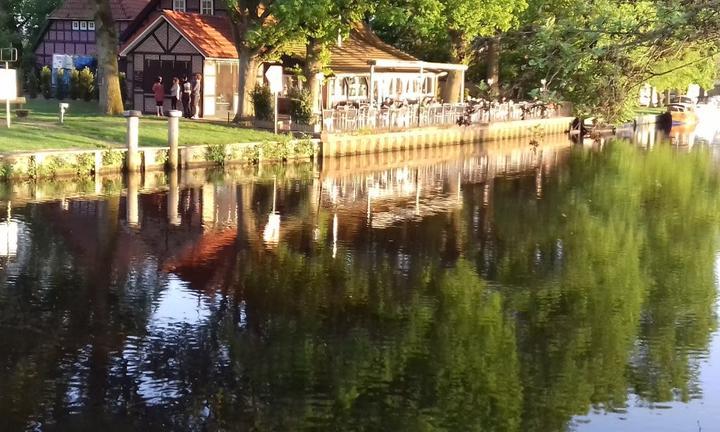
<point x="198" y="229"/>
<point x="392" y="187"/>
<point x="140" y="274"/>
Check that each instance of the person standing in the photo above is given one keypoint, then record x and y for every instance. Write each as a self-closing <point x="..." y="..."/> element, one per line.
<point x="159" y="93"/>
<point x="175" y="93"/>
<point x="186" y="92"/>
<point x="196" y="91"/>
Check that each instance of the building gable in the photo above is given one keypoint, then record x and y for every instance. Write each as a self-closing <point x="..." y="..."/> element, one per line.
<point x="187" y="32"/>
<point x="161" y="37"/>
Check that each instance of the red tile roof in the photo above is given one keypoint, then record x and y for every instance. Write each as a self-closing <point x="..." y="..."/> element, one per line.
<point x="211" y="35"/>
<point x="122" y="10"/>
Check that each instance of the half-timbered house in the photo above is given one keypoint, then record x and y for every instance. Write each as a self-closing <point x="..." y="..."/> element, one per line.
<point x="70" y="30"/>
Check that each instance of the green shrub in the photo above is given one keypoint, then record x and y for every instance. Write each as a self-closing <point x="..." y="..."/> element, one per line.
<point x="250" y="154"/>
<point x="300" y="106"/>
<point x="46" y="82"/>
<point x="32" y="83"/>
<point x="60" y="84"/>
<point x="6" y="170"/>
<point x="86" y="84"/>
<point x="262" y="100"/>
<point x="216" y="153"/>
<point x="84" y="164"/>
<point x="303" y="148"/>
<point x="274" y="151"/>
<point x="162" y="156"/>
<point x="113" y="158"/>
<point x="48" y="167"/>
<point x="74" y="84"/>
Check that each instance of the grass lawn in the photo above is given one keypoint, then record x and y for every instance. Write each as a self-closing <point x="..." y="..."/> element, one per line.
<point x="85" y="128"/>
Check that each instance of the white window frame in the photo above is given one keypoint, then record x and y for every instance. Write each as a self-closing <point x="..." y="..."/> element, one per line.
<point x="91" y="25"/>
<point x="207" y="10"/>
<point x="179" y="5"/>
<point x="76" y="25"/>
<point x="83" y="25"/>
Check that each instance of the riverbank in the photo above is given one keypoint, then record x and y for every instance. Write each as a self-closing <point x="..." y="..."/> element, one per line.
<point x="86" y="128"/>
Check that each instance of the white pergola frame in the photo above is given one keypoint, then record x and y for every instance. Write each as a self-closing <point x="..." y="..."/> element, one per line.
<point x="421" y="66"/>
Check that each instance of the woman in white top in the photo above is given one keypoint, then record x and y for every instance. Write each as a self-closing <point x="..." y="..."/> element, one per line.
<point x="175" y="93"/>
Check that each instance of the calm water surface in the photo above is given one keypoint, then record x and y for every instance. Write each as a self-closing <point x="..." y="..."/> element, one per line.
<point x="481" y="288"/>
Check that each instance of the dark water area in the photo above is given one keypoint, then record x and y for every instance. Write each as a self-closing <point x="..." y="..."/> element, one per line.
<point x="497" y="287"/>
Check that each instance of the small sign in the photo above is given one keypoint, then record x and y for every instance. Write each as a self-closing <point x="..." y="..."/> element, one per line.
<point x="274" y="76"/>
<point x="9" y="55"/>
<point x="58" y="61"/>
<point x="8" y="84"/>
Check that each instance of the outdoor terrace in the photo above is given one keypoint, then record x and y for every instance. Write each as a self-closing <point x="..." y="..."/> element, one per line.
<point x="349" y="118"/>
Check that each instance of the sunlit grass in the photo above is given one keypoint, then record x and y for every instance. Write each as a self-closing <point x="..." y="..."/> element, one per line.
<point x="86" y="128"/>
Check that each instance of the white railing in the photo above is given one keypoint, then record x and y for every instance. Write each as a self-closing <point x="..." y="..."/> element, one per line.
<point x="414" y="116"/>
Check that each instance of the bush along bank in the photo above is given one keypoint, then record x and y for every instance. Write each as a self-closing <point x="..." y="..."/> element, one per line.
<point x="84" y="163"/>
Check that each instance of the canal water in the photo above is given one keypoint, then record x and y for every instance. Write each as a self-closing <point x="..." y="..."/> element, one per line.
<point x="497" y="287"/>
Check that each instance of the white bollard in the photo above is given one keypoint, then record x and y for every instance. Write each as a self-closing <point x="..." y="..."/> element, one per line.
<point x="173" y="137"/>
<point x="133" y="126"/>
<point x="63" y="107"/>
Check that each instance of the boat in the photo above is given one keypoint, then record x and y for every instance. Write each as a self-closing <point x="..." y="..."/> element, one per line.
<point x="682" y="114"/>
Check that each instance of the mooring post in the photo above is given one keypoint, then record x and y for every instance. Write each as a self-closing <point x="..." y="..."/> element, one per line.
<point x="173" y="137"/>
<point x="133" y="199"/>
<point x="173" y="198"/>
<point x="133" y="126"/>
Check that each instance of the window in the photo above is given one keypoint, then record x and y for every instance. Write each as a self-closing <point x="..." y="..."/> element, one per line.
<point x="76" y="25"/>
<point x="206" y="7"/>
<point x="91" y="25"/>
<point x="179" y="5"/>
<point x="83" y="25"/>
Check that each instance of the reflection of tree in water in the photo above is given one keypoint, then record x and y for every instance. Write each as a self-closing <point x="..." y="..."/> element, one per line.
<point x="604" y="284"/>
<point x="624" y="247"/>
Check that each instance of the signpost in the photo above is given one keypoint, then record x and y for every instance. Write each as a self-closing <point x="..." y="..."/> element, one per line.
<point x="274" y="77"/>
<point x="8" y="89"/>
<point x="8" y="80"/>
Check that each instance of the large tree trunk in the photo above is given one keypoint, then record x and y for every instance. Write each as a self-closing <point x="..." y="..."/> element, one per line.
<point x="246" y="82"/>
<point x="107" y="43"/>
<point x="313" y="66"/>
<point x="458" y="54"/>
<point x="493" y="65"/>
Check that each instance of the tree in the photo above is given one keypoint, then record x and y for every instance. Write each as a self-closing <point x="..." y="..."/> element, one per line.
<point x="260" y="29"/>
<point x="453" y="24"/>
<point x="21" y="22"/>
<point x="320" y="23"/>
<point x="599" y="53"/>
<point x="107" y="47"/>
